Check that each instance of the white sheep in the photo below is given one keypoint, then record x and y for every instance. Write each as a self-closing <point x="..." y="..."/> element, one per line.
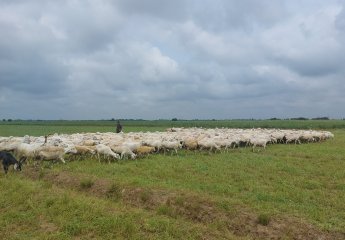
<point x="106" y="151"/>
<point x="171" y="145"/>
<point x="123" y="150"/>
<point x="259" y="142"/>
<point x="208" y="143"/>
<point x="54" y="153"/>
<point x="292" y="137"/>
<point x="28" y="150"/>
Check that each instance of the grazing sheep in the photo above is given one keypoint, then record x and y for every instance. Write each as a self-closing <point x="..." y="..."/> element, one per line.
<point x="10" y="145"/>
<point x="88" y="143"/>
<point x="171" y="145"/>
<point x="51" y="153"/>
<point x="208" y="143"/>
<point x="190" y="144"/>
<point x="132" y="145"/>
<point x="55" y="153"/>
<point x="8" y="159"/>
<point x="157" y="144"/>
<point x="123" y="150"/>
<point x="28" y="150"/>
<point x="106" y="151"/>
<point x="81" y="150"/>
<point x="292" y="137"/>
<point x="144" y="150"/>
<point x="259" y="142"/>
<point x="84" y="150"/>
<point x="307" y="137"/>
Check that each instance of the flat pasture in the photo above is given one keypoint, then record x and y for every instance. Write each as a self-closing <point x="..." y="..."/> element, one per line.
<point x="39" y="128"/>
<point x="287" y="191"/>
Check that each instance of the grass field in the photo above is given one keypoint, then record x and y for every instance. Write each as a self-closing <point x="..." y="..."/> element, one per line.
<point x="286" y="192"/>
<point x="38" y="128"/>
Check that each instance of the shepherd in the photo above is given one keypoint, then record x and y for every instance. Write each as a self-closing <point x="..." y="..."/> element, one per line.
<point x="118" y="127"/>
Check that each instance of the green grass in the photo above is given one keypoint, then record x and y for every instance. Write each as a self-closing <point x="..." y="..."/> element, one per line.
<point x="39" y="128"/>
<point x="300" y="180"/>
<point x="284" y="181"/>
<point x="35" y="210"/>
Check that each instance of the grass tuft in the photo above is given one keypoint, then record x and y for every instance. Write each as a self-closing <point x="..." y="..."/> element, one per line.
<point x="114" y="192"/>
<point x="165" y="210"/>
<point x="86" y="184"/>
<point x="145" y="196"/>
<point x="264" y="219"/>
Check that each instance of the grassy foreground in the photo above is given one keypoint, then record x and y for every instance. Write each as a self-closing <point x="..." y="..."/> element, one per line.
<point x="286" y="192"/>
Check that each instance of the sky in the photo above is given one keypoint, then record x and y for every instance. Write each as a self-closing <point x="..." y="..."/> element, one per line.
<point x="163" y="59"/>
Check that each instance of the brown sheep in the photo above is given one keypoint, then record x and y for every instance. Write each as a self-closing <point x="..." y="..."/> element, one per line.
<point x="144" y="150"/>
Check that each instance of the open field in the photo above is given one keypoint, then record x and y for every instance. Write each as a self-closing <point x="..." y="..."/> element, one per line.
<point x="38" y="128"/>
<point x="286" y="192"/>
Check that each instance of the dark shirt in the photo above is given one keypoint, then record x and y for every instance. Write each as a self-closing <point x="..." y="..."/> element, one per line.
<point x="118" y="127"/>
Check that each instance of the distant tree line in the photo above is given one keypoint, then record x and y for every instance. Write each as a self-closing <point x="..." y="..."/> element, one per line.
<point x="176" y="119"/>
<point x="303" y="118"/>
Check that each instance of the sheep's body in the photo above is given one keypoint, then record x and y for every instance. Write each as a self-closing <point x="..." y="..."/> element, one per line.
<point x="293" y="138"/>
<point x="28" y="150"/>
<point x="10" y="144"/>
<point x="102" y="149"/>
<point x="307" y="137"/>
<point x="190" y="144"/>
<point x="83" y="150"/>
<point x="88" y="143"/>
<point x="144" y="150"/>
<point x="123" y="150"/>
<point x="157" y="144"/>
<point x="209" y="144"/>
<point x="51" y="153"/>
<point x="131" y="145"/>
<point x="259" y="142"/>
<point x="171" y="145"/>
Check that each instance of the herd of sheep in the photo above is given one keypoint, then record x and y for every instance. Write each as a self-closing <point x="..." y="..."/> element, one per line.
<point x="135" y="144"/>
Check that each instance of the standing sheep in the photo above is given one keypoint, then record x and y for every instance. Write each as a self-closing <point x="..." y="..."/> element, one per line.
<point x="106" y="151"/>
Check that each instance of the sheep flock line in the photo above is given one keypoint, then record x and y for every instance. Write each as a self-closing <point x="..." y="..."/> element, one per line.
<point x="135" y="144"/>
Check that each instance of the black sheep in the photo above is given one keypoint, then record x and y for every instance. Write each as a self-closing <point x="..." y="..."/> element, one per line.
<point x="8" y="159"/>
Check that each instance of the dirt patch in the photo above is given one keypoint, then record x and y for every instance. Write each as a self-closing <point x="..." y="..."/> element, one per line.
<point x="47" y="226"/>
<point x="241" y="222"/>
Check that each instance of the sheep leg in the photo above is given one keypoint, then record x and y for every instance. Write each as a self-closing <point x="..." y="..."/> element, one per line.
<point x="5" y="169"/>
<point x="62" y="160"/>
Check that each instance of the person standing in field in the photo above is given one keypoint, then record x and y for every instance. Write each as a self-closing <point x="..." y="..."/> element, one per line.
<point x="118" y="127"/>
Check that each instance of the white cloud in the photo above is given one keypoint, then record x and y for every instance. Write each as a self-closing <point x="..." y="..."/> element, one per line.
<point x="145" y="59"/>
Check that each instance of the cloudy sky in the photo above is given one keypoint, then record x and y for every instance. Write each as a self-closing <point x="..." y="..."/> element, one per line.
<point x="151" y="59"/>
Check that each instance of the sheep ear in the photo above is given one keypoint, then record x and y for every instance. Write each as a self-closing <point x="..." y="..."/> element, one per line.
<point x="22" y="159"/>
